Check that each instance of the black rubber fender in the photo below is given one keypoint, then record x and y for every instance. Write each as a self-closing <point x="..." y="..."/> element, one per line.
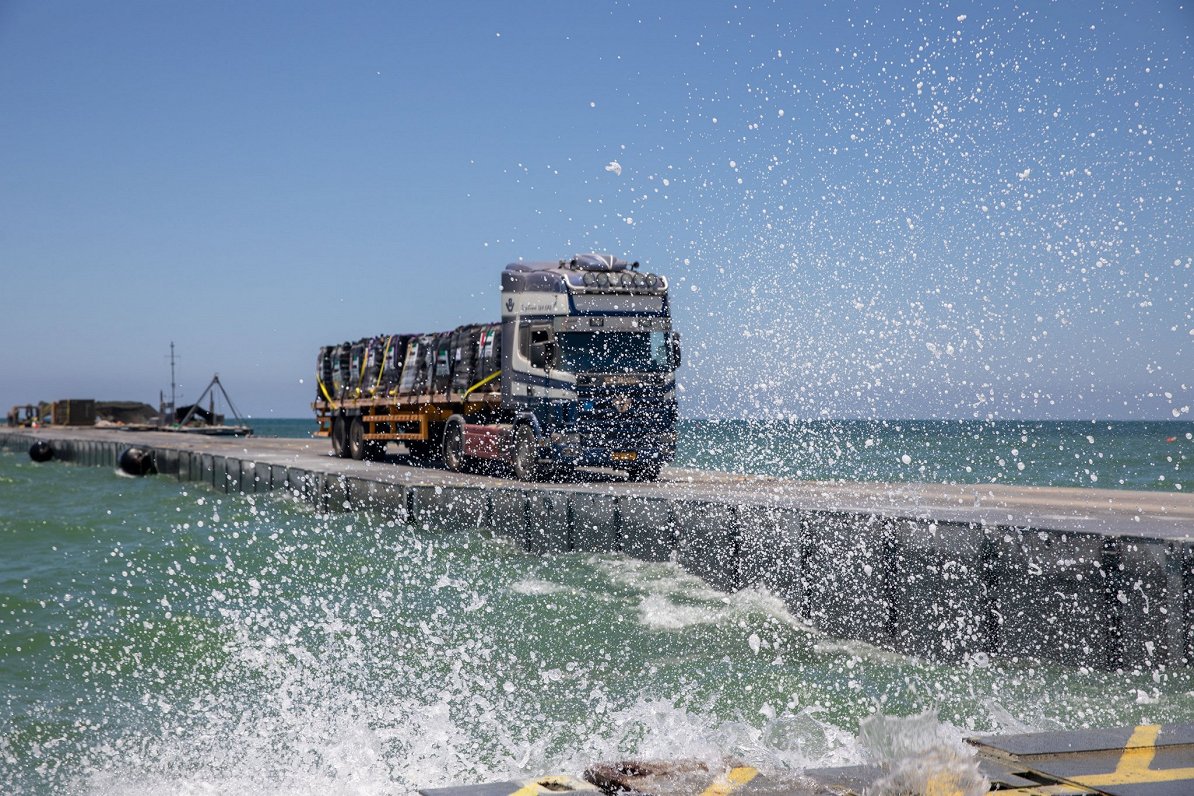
<point x="137" y="461"/>
<point x="41" y="451"/>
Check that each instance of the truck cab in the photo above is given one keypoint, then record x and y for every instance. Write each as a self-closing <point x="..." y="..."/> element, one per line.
<point x="588" y="365"/>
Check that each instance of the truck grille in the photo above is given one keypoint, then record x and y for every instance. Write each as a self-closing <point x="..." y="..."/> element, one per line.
<point x="624" y="414"/>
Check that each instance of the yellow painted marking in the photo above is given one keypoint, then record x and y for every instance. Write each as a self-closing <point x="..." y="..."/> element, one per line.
<point x="1133" y="766"/>
<point x="942" y="785"/>
<point x="734" y="779"/>
<point x="535" y="787"/>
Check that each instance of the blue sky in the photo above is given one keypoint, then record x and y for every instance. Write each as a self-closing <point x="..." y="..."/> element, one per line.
<point x="891" y="210"/>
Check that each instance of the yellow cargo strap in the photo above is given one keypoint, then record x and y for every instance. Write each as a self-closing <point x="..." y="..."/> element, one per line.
<point x="361" y="370"/>
<point x="385" y="354"/>
<point x="483" y="382"/>
<point x="324" y="390"/>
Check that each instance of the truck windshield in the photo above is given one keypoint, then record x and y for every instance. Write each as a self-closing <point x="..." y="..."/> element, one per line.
<point x="613" y="352"/>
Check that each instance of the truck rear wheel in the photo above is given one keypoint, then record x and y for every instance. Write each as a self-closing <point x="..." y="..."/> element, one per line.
<point x="339" y="436"/>
<point x="356" y="439"/>
<point x="454" y="446"/>
<point x="525" y="458"/>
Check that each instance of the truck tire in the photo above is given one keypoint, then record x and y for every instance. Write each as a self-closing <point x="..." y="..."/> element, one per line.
<point x="523" y="458"/>
<point x="453" y="449"/>
<point x="356" y="439"/>
<point x="648" y="471"/>
<point x="339" y="436"/>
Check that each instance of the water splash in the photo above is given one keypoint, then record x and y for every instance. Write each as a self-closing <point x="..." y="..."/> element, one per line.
<point x="165" y="639"/>
<point x="921" y="756"/>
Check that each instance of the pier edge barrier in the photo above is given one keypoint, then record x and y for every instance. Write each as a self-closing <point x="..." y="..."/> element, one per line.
<point x="938" y="589"/>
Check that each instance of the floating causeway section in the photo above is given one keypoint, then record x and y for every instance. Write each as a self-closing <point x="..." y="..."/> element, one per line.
<point x="1081" y="577"/>
<point x="1147" y="760"/>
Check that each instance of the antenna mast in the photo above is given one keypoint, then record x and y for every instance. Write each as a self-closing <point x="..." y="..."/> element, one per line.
<point x="163" y="407"/>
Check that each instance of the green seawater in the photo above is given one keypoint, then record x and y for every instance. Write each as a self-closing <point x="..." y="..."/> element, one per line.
<point x="1107" y="454"/>
<point x="158" y="637"/>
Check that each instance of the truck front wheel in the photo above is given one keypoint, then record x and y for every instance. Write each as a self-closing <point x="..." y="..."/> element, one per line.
<point x="525" y="458"/>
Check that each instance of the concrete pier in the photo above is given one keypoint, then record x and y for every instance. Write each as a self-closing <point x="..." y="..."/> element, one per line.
<point x="1082" y="577"/>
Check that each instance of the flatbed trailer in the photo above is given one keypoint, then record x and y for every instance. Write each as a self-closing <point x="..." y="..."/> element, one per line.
<point x="367" y="424"/>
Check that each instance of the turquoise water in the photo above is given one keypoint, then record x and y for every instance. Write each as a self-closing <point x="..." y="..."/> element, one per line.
<point x="156" y="637"/>
<point x="1108" y="455"/>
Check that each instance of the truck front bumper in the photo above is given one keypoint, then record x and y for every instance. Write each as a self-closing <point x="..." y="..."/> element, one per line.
<point x="571" y="449"/>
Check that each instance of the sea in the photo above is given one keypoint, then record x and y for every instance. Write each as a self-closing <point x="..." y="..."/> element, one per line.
<point x="157" y="637"/>
<point x="1147" y="454"/>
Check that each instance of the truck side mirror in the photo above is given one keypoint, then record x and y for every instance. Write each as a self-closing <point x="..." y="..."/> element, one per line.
<point x="544" y="354"/>
<point x="674" y="349"/>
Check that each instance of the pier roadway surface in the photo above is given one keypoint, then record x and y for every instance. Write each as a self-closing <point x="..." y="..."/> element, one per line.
<point x="1087" y="577"/>
<point x="1158" y="515"/>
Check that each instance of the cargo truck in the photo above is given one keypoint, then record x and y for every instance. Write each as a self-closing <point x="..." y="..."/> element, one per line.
<point x="580" y="372"/>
